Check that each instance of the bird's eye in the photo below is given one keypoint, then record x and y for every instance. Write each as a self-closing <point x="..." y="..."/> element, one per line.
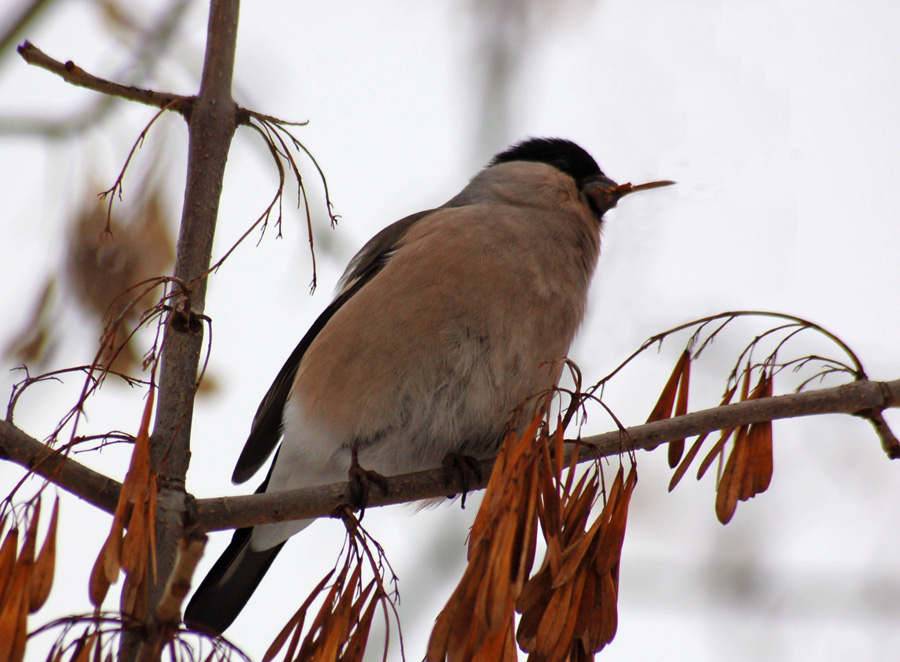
<point x="561" y="164"/>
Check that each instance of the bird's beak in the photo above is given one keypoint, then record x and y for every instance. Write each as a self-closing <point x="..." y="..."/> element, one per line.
<point x="605" y="193"/>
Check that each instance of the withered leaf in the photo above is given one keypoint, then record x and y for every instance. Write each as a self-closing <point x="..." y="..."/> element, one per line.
<point x="99" y="582"/>
<point x="603" y="628"/>
<point x="134" y="596"/>
<point x="532" y="604"/>
<point x="726" y="434"/>
<point x="586" y="610"/>
<point x="356" y="646"/>
<point x="663" y="408"/>
<point x="686" y="461"/>
<point x="129" y="551"/>
<point x="729" y="488"/>
<point x="296" y="622"/>
<point x="26" y="554"/>
<point x="760" y="463"/>
<point x="551" y="631"/>
<point x="14" y="615"/>
<point x="319" y="622"/>
<point x="84" y="648"/>
<point x="492" y="605"/>
<point x="676" y="446"/>
<point x="339" y="620"/>
<point x="714" y="452"/>
<point x="739" y="479"/>
<point x="476" y="622"/>
<point x="578" y="505"/>
<point x="7" y="561"/>
<point x="610" y="546"/>
<point x="695" y="447"/>
<point x="492" y="648"/>
<point x="42" y="577"/>
<point x="758" y="475"/>
<point x="574" y="555"/>
<point x="135" y="543"/>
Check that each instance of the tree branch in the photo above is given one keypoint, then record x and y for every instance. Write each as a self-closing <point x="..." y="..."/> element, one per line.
<point x="211" y="126"/>
<point x="72" y="73"/>
<point x="858" y="398"/>
<point x="63" y="471"/>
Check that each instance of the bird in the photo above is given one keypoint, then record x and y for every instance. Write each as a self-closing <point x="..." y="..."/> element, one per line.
<point x="444" y="326"/>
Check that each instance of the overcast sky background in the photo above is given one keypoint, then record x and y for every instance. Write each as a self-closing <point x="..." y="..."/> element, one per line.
<point x="777" y="119"/>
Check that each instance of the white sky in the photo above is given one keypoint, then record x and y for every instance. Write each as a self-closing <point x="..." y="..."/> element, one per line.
<point x="778" y="120"/>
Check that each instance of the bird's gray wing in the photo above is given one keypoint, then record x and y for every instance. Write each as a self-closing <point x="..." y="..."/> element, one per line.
<point x="372" y="257"/>
<point x="266" y="428"/>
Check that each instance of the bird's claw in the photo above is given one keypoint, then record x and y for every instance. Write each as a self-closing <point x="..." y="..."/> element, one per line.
<point x="361" y="481"/>
<point x="465" y="468"/>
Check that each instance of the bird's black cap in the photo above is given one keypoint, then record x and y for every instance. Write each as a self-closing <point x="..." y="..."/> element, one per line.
<point x="558" y="152"/>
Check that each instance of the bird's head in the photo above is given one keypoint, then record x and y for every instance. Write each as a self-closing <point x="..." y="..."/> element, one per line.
<point x="600" y="192"/>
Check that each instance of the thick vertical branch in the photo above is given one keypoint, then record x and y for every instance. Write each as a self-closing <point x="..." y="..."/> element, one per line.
<point x="211" y="126"/>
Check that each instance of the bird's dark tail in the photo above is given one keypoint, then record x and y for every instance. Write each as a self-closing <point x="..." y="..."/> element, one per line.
<point x="226" y="589"/>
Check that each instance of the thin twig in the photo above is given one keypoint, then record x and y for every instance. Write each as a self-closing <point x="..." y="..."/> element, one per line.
<point x="858" y="371"/>
<point x="72" y="73"/>
<point x="72" y="476"/>
<point x="150" y="44"/>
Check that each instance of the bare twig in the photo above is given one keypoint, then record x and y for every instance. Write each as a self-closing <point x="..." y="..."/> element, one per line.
<point x="726" y="318"/>
<point x="151" y="43"/>
<point x="72" y="73"/>
<point x="91" y="381"/>
<point x="95" y="636"/>
<point x="116" y="189"/>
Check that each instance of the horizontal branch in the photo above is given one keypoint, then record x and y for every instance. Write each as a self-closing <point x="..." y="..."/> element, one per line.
<point x="864" y="398"/>
<point x="63" y="471"/>
<point x="72" y="73"/>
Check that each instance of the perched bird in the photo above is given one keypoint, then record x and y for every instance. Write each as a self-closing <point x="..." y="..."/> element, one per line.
<point x="445" y="324"/>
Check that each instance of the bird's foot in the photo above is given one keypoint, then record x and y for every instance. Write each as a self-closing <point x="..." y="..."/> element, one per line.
<point x="361" y="481"/>
<point x="464" y="468"/>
